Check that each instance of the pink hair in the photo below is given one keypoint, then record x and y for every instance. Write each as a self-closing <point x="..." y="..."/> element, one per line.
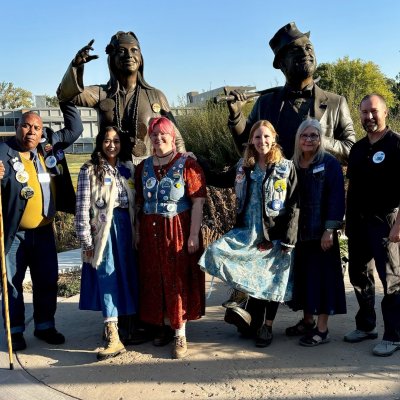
<point x="164" y="125"/>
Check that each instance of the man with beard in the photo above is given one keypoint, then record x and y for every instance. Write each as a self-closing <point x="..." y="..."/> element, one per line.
<point x="286" y="107"/>
<point x="127" y="101"/>
<point x="373" y="225"/>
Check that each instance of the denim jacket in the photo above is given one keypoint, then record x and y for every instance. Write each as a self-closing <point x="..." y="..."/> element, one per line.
<point x="322" y="199"/>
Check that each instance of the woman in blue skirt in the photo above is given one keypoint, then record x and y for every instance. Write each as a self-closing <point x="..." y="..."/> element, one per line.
<point x="103" y="222"/>
<point x="255" y="256"/>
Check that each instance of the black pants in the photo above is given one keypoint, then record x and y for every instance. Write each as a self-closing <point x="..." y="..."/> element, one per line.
<point x="367" y="248"/>
<point x="261" y="310"/>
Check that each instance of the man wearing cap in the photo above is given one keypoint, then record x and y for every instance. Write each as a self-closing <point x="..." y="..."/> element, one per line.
<point x="35" y="183"/>
<point x="286" y="107"/>
<point x="127" y="100"/>
<point x="373" y="226"/>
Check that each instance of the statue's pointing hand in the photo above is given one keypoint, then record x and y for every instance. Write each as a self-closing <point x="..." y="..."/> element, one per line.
<point x="83" y="56"/>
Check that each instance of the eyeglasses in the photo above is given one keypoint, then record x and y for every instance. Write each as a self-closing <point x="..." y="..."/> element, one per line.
<point x="312" y="138"/>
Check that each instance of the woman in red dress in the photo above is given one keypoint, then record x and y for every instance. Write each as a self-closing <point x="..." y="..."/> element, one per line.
<point x="171" y="192"/>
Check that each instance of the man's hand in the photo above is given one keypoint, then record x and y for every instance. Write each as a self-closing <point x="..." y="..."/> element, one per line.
<point x="2" y="170"/>
<point x="235" y="107"/>
<point x="327" y="240"/>
<point x="83" y="56"/>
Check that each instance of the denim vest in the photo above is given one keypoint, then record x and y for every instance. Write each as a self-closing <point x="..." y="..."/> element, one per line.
<point x="167" y="196"/>
<point x="274" y="188"/>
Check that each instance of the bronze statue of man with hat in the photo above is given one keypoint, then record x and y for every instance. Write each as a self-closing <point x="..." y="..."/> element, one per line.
<point x="127" y="100"/>
<point x="286" y="107"/>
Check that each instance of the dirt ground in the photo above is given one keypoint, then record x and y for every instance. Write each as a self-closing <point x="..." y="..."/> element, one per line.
<point x="220" y="364"/>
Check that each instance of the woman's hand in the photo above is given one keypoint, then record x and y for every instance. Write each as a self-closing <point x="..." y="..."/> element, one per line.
<point x="189" y="154"/>
<point x="327" y="240"/>
<point x="193" y="244"/>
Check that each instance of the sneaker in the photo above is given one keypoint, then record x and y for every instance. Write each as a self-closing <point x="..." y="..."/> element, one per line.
<point x="50" y="336"/>
<point x="358" y="335"/>
<point x="18" y="341"/>
<point x="264" y="336"/>
<point x="386" y="348"/>
<point x="315" y="338"/>
<point x="300" y="329"/>
<point x="236" y="298"/>
<point x="179" y="349"/>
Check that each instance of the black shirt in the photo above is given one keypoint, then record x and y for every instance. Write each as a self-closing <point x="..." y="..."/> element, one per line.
<point x="374" y="176"/>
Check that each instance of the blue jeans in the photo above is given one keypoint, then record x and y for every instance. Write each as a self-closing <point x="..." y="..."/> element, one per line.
<point x="34" y="248"/>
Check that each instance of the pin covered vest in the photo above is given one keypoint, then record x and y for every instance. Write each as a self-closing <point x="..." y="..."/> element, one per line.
<point x="274" y="188"/>
<point x="167" y="196"/>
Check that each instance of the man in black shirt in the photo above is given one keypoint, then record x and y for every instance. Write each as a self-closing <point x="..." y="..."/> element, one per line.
<point x="373" y="225"/>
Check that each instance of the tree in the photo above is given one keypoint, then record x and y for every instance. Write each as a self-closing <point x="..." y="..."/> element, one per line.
<point x="14" y="97"/>
<point x="51" y="101"/>
<point x="354" y="79"/>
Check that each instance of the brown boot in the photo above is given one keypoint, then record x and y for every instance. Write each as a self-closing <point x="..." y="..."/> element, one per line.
<point x="179" y="349"/>
<point x="113" y="346"/>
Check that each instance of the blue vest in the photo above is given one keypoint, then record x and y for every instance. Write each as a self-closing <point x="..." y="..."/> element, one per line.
<point x="167" y="196"/>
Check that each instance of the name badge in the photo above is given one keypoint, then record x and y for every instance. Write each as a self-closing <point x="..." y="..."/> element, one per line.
<point x="44" y="177"/>
<point x="107" y="181"/>
<point x="319" y="168"/>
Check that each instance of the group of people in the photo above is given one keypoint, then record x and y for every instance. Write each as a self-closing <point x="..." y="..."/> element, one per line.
<point x="140" y="198"/>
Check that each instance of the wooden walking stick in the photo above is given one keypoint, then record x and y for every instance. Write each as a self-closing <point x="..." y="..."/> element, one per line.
<point x="5" y="287"/>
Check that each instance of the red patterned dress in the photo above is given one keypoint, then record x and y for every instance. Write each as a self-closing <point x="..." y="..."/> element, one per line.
<point x="170" y="280"/>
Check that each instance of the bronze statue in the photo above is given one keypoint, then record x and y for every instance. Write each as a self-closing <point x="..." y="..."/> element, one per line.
<point x="127" y="100"/>
<point x="286" y="107"/>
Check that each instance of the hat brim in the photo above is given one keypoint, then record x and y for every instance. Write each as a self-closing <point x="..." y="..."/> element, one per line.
<point x="277" y="55"/>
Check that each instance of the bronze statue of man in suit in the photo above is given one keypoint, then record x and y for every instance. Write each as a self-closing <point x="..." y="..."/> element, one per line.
<point x="286" y="107"/>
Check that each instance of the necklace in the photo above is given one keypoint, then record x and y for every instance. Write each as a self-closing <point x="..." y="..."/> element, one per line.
<point x="132" y="114"/>
<point x="161" y="167"/>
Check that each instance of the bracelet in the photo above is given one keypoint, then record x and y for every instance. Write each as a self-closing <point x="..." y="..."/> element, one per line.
<point x="330" y="230"/>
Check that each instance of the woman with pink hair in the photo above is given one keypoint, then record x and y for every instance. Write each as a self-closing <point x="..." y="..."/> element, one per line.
<point x="171" y="192"/>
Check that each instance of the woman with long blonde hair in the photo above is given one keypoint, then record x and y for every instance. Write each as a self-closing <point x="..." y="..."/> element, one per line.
<point x="255" y="256"/>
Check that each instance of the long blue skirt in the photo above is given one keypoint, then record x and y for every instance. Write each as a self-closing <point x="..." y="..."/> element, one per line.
<point x="113" y="287"/>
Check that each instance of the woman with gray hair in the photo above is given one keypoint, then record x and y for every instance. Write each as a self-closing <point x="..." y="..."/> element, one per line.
<point x="318" y="279"/>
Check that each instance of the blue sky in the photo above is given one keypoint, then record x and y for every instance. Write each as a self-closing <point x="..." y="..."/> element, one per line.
<point x="190" y="45"/>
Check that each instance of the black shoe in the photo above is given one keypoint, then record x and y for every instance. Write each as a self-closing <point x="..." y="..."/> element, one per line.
<point x="300" y="329"/>
<point x="164" y="335"/>
<point x="50" y="336"/>
<point x="264" y="336"/>
<point x="18" y="341"/>
<point x="239" y="317"/>
<point x="138" y="336"/>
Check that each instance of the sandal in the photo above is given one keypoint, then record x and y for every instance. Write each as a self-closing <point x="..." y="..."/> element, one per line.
<point x="300" y="329"/>
<point x="315" y="338"/>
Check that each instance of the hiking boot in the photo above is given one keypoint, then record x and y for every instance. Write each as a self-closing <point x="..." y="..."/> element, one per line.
<point x="179" y="349"/>
<point x="50" y="336"/>
<point x="264" y="336"/>
<point x="386" y="348"/>
<point x="236" y="298"/>
<point x="18" y="341"/>
<point x="358" y="335"/>
<point x="113" y="346"/>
